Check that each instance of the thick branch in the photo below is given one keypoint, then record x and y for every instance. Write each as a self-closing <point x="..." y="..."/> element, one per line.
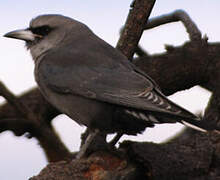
<point x="189" y="158"/>
<point x="99" y="166"/>
<point x="13" y="117"/>
<point x="13" y="100"/>
<point x="131" y="34"/>
<point x="181" y="67"/>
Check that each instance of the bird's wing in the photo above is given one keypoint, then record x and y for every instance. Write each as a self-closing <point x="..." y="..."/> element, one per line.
<point x="110" y="81"/>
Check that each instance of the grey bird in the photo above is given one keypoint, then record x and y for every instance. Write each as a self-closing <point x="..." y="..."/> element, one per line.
<point x="93" y="83"/>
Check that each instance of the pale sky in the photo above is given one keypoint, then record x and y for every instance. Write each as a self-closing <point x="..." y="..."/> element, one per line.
<point x="21" y="158"/>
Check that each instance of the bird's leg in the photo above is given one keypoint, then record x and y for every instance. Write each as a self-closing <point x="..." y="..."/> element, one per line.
<point x="93" y="140"/>
<point x="115" y="139"/>
<point x="89" y="142"/>
<point x="84" y="136"/>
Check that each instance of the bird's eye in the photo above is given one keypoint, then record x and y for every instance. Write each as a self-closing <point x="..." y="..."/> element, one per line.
<point x="42" y="30"/>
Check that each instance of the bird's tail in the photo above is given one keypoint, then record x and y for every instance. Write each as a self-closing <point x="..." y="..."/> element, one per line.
<point x="193" y="122"/>
<point x="194" y="125"/>
<point x="200" y="125"/>
<point x="187" y="118"/>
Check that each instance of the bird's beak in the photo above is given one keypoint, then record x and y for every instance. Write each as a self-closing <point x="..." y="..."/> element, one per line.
<point x="22" y="34"/>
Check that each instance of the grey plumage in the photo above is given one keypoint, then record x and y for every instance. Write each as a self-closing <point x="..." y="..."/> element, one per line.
<point x="92" y="82"/>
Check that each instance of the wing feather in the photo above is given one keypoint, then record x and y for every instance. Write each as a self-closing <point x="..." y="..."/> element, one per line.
<point x="104" y="74"/>
<point x="115" y="84"/>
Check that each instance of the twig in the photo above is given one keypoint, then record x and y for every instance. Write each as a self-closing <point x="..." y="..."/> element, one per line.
<point x="178" y="15"/>
<point x="17" y="125"/>
<point x="141" y="52"/>
<point x="14" y="101"/>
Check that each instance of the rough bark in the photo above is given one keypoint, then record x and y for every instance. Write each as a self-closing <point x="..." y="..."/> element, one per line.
<point x="192" y="155"/>
<point x="134" y="26"/>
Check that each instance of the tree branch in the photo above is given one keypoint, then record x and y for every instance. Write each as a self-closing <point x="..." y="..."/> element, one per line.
<point x="178" y="15"/>
<point x="131" y="34"/>
<point x="36" y="120"/>
<point x="13" y="100"/>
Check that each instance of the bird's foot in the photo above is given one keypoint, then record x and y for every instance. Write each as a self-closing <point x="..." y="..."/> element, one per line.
<point x="87" y="144"/>
<point x="94" y="140"/>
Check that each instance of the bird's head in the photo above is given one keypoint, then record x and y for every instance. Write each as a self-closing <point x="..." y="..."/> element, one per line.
<point x="44" y="33"/>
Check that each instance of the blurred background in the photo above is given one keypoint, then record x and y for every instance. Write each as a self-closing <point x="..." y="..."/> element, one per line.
<point x="21" y="158"/>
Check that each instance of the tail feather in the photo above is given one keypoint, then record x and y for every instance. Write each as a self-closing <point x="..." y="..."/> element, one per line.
<point x="200" y="125"/>
<point x="186" y="118"/>
<point x="193" y="126"/>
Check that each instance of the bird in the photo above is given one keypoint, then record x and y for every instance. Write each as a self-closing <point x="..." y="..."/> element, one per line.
<point x="94" y="83"/>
